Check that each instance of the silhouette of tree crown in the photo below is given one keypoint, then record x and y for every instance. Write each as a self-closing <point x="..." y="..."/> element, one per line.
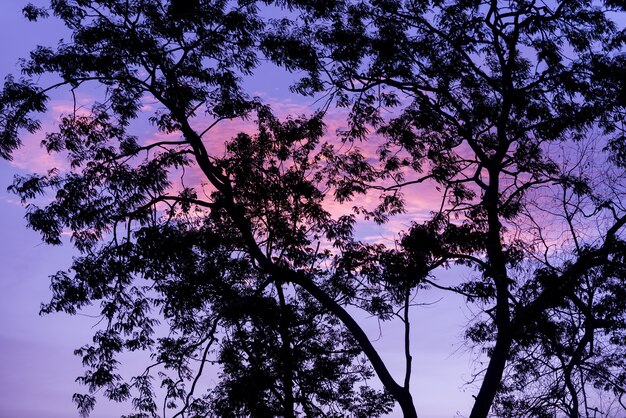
<point x="509" y="113"/>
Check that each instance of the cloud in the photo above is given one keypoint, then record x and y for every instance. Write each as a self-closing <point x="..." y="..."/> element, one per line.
<point x="33" y="157"/>
<point x="420" y="199"/>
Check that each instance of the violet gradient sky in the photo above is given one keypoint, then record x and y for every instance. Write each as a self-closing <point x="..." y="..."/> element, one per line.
<point x="37" y="367"/>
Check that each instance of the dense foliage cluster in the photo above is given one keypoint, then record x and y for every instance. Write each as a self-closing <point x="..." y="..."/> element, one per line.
<point x="237" y="257"/>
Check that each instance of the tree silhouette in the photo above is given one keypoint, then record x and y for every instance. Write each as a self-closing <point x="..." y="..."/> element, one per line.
<point x="506" y="109"/>
<point x="486" y="93"/>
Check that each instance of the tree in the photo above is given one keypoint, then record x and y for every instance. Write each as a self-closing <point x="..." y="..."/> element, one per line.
<point x="249" y="269"/>
<point x="484" y="93"/>
<point x="194" y="275"/>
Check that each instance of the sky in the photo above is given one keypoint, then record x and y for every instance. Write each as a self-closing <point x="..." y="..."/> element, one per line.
<point x="37" y="367"/>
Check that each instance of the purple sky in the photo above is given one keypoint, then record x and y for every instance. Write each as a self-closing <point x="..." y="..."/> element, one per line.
<point x="37" y="367"/>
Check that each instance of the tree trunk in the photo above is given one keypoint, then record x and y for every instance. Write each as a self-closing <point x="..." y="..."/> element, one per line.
<point x="287" y="360"/>
<point x="498" y="273"/>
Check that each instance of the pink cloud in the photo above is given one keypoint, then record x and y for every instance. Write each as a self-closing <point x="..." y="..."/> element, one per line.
<point x="32" y="157"/>
<point x="420" y="199"/>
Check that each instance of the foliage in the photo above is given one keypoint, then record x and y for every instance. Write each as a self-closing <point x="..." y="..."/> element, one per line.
<point x="504" y="107"/>
<point x="169" y="270"/>
<point x="496" y="106"/>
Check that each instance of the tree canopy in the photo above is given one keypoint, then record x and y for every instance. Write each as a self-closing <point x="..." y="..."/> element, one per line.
<point x="241" y="255"/>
